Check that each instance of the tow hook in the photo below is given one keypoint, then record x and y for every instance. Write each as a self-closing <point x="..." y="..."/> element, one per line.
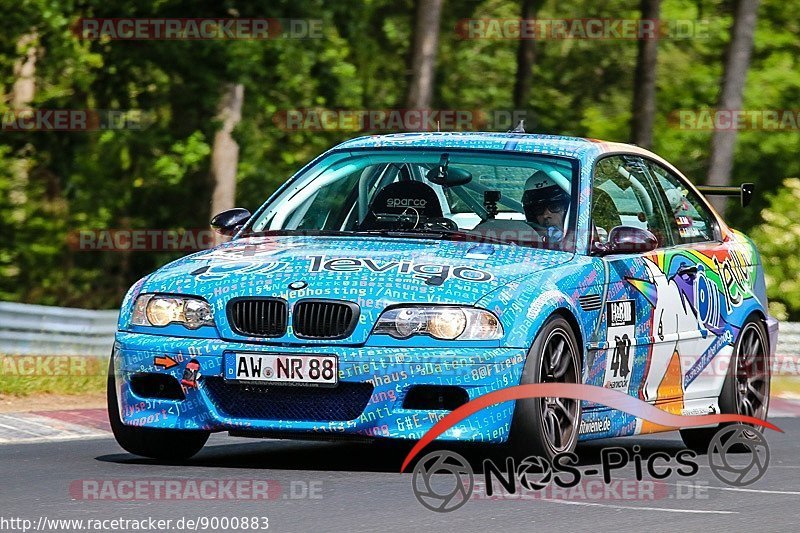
<point x="190" y="374"/>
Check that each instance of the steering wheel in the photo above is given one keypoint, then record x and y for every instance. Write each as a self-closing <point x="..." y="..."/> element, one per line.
<point x="443" y="223"/>
<point x="413" y="221"/>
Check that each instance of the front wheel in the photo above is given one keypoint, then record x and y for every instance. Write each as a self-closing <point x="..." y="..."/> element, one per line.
<point x="549" y="426"/>
<point x="166" y="444"/>
<point x="746" y="387"/>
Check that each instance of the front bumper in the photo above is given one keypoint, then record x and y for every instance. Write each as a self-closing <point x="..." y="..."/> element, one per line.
<point x="217" y="405"/>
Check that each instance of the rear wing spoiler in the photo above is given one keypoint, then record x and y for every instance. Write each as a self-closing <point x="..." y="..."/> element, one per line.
<point x="744" y="192"/>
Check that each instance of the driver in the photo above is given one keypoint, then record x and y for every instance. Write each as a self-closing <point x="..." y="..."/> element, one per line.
<point x="545" y="204"/>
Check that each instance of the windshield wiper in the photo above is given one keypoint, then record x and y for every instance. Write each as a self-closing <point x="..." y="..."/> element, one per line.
<point x="399" y="233"/>
<point x="294" y="233"/>
<point x="402" y="233"/>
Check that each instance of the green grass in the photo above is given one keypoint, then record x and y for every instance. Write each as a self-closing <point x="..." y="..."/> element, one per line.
<point x="23" y="375"/>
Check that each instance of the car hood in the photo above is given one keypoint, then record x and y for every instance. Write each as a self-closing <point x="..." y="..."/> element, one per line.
<point x="423" y="270"/>
<point x="375" y="272"/>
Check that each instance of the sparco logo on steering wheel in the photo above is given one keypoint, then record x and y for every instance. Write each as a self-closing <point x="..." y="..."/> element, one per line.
<point x="406" y="202"/>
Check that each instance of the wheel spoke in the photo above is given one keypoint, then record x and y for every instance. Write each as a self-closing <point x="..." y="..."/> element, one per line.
<point x="556" y="357"/>
<point x="747" y="406"/>
<point x="549" y="425"/>
<point x="564" y="360"/>
<point x="753" y="391"/>
<point x="558" y="432"/>
<point x="757" y="373"/>
<point x="566" y="411"/>
<point x="751" y="346"/>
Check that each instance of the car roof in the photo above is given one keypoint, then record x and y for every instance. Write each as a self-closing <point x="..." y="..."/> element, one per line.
<point x="576" y="147"/>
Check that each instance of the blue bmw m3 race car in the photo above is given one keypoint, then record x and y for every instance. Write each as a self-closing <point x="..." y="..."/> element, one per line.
<point x="395" y="278"/>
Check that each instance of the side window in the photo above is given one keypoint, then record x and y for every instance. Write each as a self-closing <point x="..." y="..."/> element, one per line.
<point x="623" y="195"/>
<point x="318" y="212"/>
<point x="690" y="220"/>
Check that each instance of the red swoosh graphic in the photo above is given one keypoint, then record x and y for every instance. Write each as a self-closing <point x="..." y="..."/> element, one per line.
<point x="590" y="393"/>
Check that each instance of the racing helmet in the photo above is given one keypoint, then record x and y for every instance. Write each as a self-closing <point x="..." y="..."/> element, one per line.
<point x="542" y="191"/>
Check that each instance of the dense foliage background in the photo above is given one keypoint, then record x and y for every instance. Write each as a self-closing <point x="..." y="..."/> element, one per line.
<point x="54" y="183"/>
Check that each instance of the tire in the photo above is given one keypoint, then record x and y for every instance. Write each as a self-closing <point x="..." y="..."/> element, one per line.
<point x="736" y="397"/>
<point x="166" y="444"/>
<point x="547" y="426"/>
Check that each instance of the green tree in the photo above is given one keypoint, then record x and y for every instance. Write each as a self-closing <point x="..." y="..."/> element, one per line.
<point x="158" y="176"/>
<point x="778" y="239"/>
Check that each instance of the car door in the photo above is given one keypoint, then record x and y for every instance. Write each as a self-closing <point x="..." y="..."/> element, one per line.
<point x="641" y="344"/>
<point x="704" y="268"/>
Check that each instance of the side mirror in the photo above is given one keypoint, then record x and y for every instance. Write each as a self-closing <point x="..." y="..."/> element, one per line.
<point x="627" y="240"/>
<point x="228" y="222"/>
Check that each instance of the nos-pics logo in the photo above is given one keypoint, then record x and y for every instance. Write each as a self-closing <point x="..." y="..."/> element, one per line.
<point x="443" y="480"/>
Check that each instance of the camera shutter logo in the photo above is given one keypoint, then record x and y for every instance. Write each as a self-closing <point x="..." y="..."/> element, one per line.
<point x="534" y="473"/>
<point x="443" y="493"/>
<point x="738" y="455"/>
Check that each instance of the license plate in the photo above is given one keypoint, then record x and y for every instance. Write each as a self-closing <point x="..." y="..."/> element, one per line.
<point x="283" y="368"/>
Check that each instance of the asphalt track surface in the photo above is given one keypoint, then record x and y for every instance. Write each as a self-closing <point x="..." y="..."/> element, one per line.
<point x="358" y="487"/>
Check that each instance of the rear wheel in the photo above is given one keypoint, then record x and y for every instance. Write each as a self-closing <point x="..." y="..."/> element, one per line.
<point x="169" y="444"/>
<point x="548" y="426"/>
<point x="746" y="387"/>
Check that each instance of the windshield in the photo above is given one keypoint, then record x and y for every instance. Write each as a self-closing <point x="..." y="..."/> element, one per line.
<point x="508" y="198"/>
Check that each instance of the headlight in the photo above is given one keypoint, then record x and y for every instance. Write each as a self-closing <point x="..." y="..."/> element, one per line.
<point x="160" y="310"/>
<point x="441" y="322"/>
